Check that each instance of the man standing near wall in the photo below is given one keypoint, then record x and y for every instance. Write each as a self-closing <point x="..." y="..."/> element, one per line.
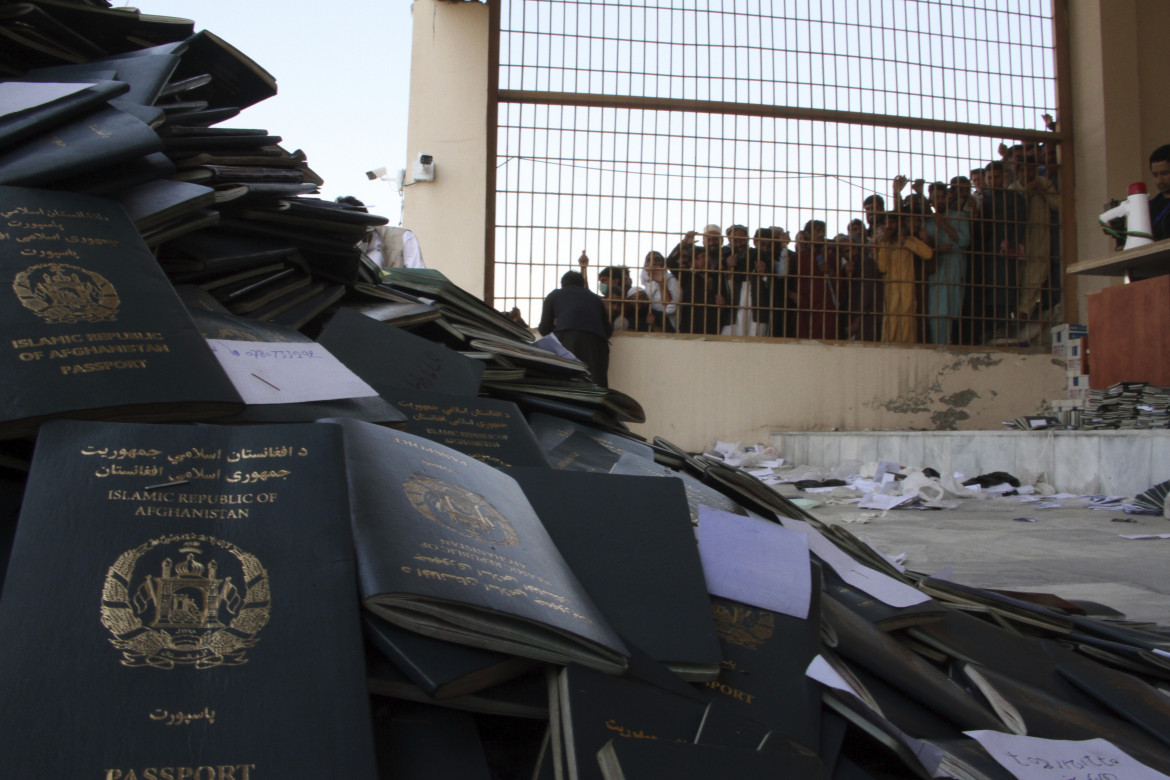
<point x="578" y="318"/>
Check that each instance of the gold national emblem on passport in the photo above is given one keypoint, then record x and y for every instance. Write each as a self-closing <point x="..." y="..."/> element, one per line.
<point x="462" y="511"/>
<point x="744" y="626"/>
<point x="60" y="293"/>
<point x="185" y="600"/>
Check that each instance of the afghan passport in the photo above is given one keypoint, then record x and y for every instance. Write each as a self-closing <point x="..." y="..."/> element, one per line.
<point x="92" y="326"/>
<point x="181" y="603"/>
<point x="450" y="547"/>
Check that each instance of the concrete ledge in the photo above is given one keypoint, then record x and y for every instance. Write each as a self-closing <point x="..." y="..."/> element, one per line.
<point x="1119" y="463"/>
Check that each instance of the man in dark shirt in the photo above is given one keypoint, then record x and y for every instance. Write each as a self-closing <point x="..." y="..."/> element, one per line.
<point x="1004" y="232"/>
<point x="1160" y="203"/>
<point x="580" y="322"/>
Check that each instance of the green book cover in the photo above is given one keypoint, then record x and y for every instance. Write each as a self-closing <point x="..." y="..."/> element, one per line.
<point x="92" y="326"/>
<point x="181" y="603"/>
<point x="450" y="547"/>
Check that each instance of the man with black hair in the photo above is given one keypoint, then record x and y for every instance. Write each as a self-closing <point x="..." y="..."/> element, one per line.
<point x="742" y="289"/>
<point x="628" y="307"/>
<point x="581" y="324"/>
<point x="1004" y="215"/>
<point x="875" y="216"/>
<point x="1160" y="203"/>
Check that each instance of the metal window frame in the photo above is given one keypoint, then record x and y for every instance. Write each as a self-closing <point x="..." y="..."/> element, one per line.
<point x="1062" y="138"/>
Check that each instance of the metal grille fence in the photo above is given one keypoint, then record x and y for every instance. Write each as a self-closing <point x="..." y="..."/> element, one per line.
<point x="622" y="126"/>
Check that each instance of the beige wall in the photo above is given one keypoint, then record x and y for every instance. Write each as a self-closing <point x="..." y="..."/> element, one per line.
<point x="448" y="120"/>
<point x="1153" y="20"/>
<point x="1120" y="112"/>
<point x="695" y="391"/>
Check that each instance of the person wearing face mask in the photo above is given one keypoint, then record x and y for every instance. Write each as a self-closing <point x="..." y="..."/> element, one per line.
<point x="628" y="306"/>
<point x="581" y="323"/>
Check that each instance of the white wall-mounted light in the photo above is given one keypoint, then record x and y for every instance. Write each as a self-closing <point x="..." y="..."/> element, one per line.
<point x="424" y="168"/>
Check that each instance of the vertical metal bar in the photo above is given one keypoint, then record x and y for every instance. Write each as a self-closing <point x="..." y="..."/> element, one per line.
<point x="1068" y="223"/>
<point x="491" y="133"/>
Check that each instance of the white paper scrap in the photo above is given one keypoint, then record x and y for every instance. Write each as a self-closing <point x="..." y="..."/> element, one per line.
<point x="882" y="587"/>
<point x="286" y="373"/>
<point x="820" y="670"/>
<point x="1033" y="758"/>
<point x="884" y="502"/>
<point x="755" y="561"/>
<point x="726" y="448"/>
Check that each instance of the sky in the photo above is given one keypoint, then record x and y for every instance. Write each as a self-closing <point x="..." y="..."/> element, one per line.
<point x="342" y="72"/>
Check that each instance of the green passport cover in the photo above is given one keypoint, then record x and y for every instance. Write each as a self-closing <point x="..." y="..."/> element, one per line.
<point x="450" y="547"/>
<point x="183" y="597"/>
<point x="92" y="327"/>
<point x="630" y="542"/>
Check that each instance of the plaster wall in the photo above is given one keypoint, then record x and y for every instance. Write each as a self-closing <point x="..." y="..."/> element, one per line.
<point x="697" y="391"/>
<point x="448" y="120"/>
<point x="1120" y="113"/>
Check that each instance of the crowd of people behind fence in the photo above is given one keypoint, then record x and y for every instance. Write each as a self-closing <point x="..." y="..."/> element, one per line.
<point x="969" y="261"/>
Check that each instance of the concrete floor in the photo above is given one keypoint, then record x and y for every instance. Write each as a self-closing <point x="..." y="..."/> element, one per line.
<point x="1074" y="553"/>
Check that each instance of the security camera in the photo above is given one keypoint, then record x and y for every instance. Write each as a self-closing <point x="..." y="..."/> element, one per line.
<point x="377" y="173"/>
<point x="424" y="168"/>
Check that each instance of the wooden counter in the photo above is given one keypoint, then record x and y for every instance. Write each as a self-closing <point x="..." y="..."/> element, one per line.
<point x="1129" y="333"/>
<point x="1141" y="262"/>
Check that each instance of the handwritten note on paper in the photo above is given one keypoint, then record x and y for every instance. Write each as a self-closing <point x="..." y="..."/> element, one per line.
<point x="1032" y="758"/>
<point x="754" y="561"/>
<point x="287" y="373"/>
